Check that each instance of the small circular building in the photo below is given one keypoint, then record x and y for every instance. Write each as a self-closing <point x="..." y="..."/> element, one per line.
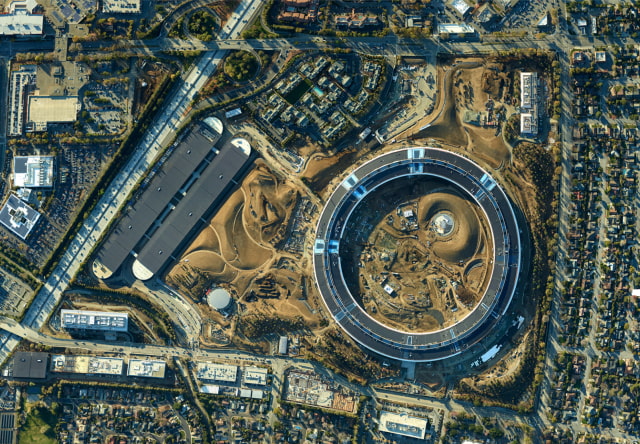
<point x="219" y="299"/>
<point x="442" y="263"/>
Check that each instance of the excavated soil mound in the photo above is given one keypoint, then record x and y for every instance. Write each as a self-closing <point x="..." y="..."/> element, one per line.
<point x="463" y="242"/>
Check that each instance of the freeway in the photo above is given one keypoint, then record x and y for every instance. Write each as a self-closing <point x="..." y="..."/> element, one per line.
<point x="115" y="196"/>
<point x="389" y="45"/>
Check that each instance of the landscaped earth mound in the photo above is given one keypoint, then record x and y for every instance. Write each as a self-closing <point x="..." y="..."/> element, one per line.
<point x="416" y="254"/>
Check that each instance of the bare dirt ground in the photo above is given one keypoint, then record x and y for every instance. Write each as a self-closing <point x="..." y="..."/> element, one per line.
<point x="321" y="169"/>
<point x="413" y="275"/>
<point x="242" y="248"/>
<point x="239" y="250"/>
<point x="468" y="88"/>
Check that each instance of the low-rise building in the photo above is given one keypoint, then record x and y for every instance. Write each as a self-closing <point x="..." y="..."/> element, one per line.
<point x="403" y="425"/>
<point x="18" y="217"/>
<point x="461" y="7"/>
<point x="94" y="320"/>
<point x="208" y="371"/>
<point x="44" y="110"/>
<point x="255" y="375"/>
<point x="20" y="20"/>
<point x="90" y="365"/>
<point x="528" y="124"/>
<point x="146" y="368"/>
<point x="453" y="29"/>
<point x="22" y="81"/>
<point x="33" y="171"/>
<point x="121" y="6"/>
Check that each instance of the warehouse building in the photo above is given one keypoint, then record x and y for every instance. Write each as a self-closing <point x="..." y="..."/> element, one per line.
<point x="212" y="183"/>
<point x="192" y="182"/>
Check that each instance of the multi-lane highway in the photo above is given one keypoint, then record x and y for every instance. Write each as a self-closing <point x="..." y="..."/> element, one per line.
<point x="115" y="196"/>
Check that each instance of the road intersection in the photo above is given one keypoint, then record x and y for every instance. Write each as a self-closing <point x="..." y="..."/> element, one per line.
<point x="176" y="113"/>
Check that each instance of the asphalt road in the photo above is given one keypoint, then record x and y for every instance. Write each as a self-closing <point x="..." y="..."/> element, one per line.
<point x="157" y="136"/>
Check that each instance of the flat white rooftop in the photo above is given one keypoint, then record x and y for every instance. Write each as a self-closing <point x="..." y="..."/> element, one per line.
<point x="146" y="368"/>
<point x="121" y="6"/>
<point x="18" y="217"/>
<point x="52" y="109"/>
<point x="403" y="424"/>
<point x="255" y="375"/>
<point x="21" y="23"/>
<point x="33" y="171"/>
<point x="94" y="320"/>
<point x="453" y="28"/>
<point x="209" y="371"/>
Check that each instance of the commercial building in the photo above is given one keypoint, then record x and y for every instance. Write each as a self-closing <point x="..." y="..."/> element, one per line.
<point x="255" y="375"/>
<point x="206" y="190"/>
<point x="94" y="320"/>
<point x="146" y="368"/>
<point x="207" y="371"/>
<point x="90" y="365"/>
<point x="210" y="389"/>
<point x="33" y="171"/>
<point x="22" y="81"/>
<point x="528" y="103"/>
<point x="282" y="345"/>
<point x="528" y="124"/>
<point x="20" y="21"/>
<point x="44" y="110"/>
<point x="528" y="87"/>
<point x="461" y="7"/>
<point x="403" y="424"/>
<point x="453" y="29"/>
<point x="18" y="217"/>
<point x="40" y="95"/>
<point x="30" y="365"/>
<point x="121" y="6"/>
<point x="175" y="202"/>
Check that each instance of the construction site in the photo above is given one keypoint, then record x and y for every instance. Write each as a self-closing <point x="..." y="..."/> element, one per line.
<point x="421" y="260"/>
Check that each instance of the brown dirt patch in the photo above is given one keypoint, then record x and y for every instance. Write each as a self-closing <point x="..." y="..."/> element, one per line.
<point x="321" y="169"/>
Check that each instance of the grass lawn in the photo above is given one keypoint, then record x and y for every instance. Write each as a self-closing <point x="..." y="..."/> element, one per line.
<point x="38" y="427"/>
<point x="298" y="91"/>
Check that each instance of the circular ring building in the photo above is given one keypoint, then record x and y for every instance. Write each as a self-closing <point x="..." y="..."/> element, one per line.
<point x="503" y="263"/>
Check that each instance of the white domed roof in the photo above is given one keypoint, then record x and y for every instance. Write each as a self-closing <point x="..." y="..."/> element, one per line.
<point x="443" y="224"/>
<point x="215" y="124"/>
<point x="219" y="298"/>
<point x="242" y="144"/>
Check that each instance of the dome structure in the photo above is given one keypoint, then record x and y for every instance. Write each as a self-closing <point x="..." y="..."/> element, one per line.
<point x="443" y="224"/>
<point x="219" y="299"/>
